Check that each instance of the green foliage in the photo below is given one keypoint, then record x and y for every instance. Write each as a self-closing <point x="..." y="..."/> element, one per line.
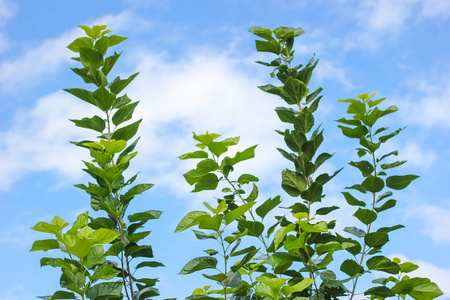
<point x="264" y="251"/>
<point x="109" y="192"/>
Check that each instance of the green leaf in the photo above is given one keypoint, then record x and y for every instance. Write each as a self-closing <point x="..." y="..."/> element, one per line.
<point x="282" y="258"/>
<point x="144" y="216"/>
<point x="199" y="263"/>
<point x="326" y="210"/>
<point x="271" y="280"/>
<point x="293" y="92"/>
<point x="240" y="156"/>
<point x="105" y="290"/>
<point x="115" y="39"/>
<point x="351" y="267"/>
<point x="293" y="183"/>
<point x="237" y="212"/>
<point x="102" y="44"/>
<point x="364" y="166"/>
<point x="63" y="295"/>
<point x="45" y="245"/>
<point x="136" y="190"/>
<point x="134" y="251"/>
<point x="105" y="272"/>
<point x="352" y="200"/>
<point x="425" y="291"/>
<point x="267" y="291"/>
<point x="103" y="236"/>
<point x="357" y="132"/>
<point x="327" y="247"/>
<point x="94" y="32"/>
<point x="376" y="239"/>
<point x="373" y="184"/>
<point x="355" y="231"/>
<point x="304" y="121"/>
<point x="59" y="263"/>
<point x="388" y="204"/>
<point x="82" y="42"/>
<point x="196" y="154"/>
<point x="127" y="132"/>
<point x="151" y="264"/>
<point x="95" y="123"/>
<point x="393" y="165"/>
<point x="270" y="46"/>
<point x="191" y="219"/>
<point x="380" y="291"/>
<point x="124" y="113"/>
<point x="247" y="178"/>
<point x="207" y="182"/>
<point x="95" y="256"/>
<point x="400" y="182"/>
<point x="104" y="100"/>
<point x="384" y="264"/>
<point x="286" y="115"/>
<point x="109" y="63"/>
<point x="271" y="89"/>
<point x="117" y="85"/>
<point x="267" y="206"/>
<point x="366" y="216"/>
<point x="408" y="267"/>
<point x="91" y="57"/>
<point x="264" y="33"/>
<point x="82" y="94"/>
<point x="298" y="287"/>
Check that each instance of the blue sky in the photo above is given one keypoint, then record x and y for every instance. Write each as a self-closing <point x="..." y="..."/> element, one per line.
<point x="196" y="60"/>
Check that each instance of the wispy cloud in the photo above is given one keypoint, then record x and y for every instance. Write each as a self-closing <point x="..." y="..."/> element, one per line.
<point x="8" y="10"/>
<point x="31" y="67"/>
<point x="436" y="221"/>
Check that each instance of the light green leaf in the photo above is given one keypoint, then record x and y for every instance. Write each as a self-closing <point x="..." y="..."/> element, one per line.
<point x="237" y="212"/>
<point x="126" y="133"/>
<point x="302" y="285"/>
<point x="45" y="245"/>
<point x="105" y="272"/>
<point x="191" y="219"/>
<point x="105" y="290"/>
<point x="144" y="216"/>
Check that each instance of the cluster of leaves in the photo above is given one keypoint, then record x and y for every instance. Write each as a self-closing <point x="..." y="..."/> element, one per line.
<point x="111" y="155"/>
<point x="295" y="261"/>
<point x="364" y="113"/>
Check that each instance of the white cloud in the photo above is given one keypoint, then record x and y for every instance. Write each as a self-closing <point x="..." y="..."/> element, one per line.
<point x="429" y="104"/>
<point x="438" y="275"/>
<point x="38" y="140"/>
<point x="31" y="67"/>
<point x="327" y="70"/>
<point x="435" y="8"/>
<point x="417" y="157"/>
<point x="436" y="221"/>
<point x="8" y="10"/>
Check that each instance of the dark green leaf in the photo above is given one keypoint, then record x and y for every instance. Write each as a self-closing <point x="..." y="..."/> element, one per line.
<point x="127" y="132"/>
<point x="124" y="113"/>
<point x="380" y="291"/>
<point x="267" y="206"/>
<point x="384" y="264"/>
<point x="388" y="204"/>
<point x="144" y="216"/>
<point x="304" y="121"/>
<point x="82" y="94"/>
<point x="326" y="210"/>
<point x="352" y="200"/>
<point x="109" y="63"/>
<point x="151" y="264"/>
<point x="373" y="184"/>
<point x="292" y="183"/>
<point x="400" y="182"/>
<point x="376" y="239"/>
<point x="286" y="115"/>
<point x="351" y="268"/>
<point x="199" y="263"/>
<point x="393" y="165"/>
<point x="366" y="216"/>
<point x="207" y="182"/>
<point x="364" y="166"/>
<point x="105" y="290"/>
<point x="117" y="85"/>
<point x="95" y="123"/>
